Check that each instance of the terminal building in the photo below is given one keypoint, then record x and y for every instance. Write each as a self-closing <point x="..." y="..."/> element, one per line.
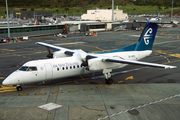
<point x="30" y="14"/>
<point x="105" y="15"/>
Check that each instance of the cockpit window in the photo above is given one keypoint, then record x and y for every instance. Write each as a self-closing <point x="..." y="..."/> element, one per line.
<point x="32" y="69"/>
<point x="26" y="68"/>
<point x="23" y="68"/>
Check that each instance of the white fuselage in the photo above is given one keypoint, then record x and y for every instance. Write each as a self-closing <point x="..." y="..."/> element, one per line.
<point x="49" y="69"/>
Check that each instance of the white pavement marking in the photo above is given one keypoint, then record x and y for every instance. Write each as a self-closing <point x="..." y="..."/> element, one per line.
<point x="135" y="35"/>
<point x="118" y="113"/>
<point x="50" y="106"/>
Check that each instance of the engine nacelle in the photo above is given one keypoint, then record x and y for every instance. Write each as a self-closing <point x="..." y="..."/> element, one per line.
<point x="59" y="54"/>
<point x="97" y="64"/>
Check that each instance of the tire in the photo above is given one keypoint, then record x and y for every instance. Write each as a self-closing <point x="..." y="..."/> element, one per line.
<point x="110" y="81"/>
<point x="19" y="88"/>
<point x="106" y="81"/>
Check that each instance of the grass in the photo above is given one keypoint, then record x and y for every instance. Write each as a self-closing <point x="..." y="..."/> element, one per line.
<point x="130" y="9"/>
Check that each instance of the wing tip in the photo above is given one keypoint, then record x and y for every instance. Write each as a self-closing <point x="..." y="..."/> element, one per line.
<point x="170" y="67"/>
<point x="38" y="42"/>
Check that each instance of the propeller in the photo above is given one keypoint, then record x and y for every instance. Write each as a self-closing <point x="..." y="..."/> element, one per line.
<point x="50" y="55"/>
<point x="85" y="62"/>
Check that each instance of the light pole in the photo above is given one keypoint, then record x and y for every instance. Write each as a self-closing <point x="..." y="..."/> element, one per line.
<point x="112" y="10"/>
<point x="172" y="11"/>
<point x="7" y="19"/>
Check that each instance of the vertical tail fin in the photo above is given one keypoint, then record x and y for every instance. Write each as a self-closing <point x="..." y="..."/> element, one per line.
<point x="147" y="37"/>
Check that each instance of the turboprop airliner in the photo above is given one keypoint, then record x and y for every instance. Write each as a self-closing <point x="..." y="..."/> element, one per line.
<point x="66" y="62"/>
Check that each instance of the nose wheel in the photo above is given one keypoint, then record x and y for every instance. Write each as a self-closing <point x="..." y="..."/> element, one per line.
<point x="19" y="88"/>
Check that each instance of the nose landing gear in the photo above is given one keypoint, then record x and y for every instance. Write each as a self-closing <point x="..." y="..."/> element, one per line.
<point x="19" y="88"/>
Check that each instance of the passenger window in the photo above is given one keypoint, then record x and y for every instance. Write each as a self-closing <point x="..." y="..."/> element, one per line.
<point x="70" y="67"/>
<point x="63" y="68"/>
<point x="57" y="69"/>
<point x="66" y="67"/>
<point x="74" y="67"/>
<point x="77" y="66"/>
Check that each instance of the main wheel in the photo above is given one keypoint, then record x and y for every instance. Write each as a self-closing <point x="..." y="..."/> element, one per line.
<point x="106" y="81"/>
<point x="110" y="81"/>
<point x="19" y="88"/>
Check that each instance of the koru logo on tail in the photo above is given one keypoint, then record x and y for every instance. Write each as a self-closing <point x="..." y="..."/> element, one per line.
<point x="148" y="35"/>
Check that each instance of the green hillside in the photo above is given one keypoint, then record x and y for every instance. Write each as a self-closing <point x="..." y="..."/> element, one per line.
<point x="78" y="7"/>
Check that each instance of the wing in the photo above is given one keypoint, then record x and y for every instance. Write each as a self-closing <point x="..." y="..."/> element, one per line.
<point x="138" y="63"/>
<point x="87" y="56"/>
<point x="56" y="48"/>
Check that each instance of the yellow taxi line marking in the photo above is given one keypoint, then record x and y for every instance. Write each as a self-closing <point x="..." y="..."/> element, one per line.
<point x="7" y="91"/>
<point x="62" y="83"/>
<point x="23" y="94"/>
<point x="49" y="40"/>
<point x="6" y="85"/>
<point x="70" y="43"/>
<point x="130" y="77"/>
<point x="110" y="84"/>
<point x="93" y="46"/>
<point x="100" y="87"/>
<point x="56" y="92"/>
<point x="168" y="53"/>
<point x="175" y="55"/>
<point x="120" y="81"/>
<point x="7" y="88"/>
<point x="21" y="91"/>
<point x="40" y="93"/>
<point x="87" y="89"/>
<point x="21" y="53"/>
<point x="73" y="91"/>
<point x="4" y="49"/>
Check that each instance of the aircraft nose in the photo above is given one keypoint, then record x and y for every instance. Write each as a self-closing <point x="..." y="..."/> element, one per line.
<point x="12" y="79"/>
<point x="6" y="82"/>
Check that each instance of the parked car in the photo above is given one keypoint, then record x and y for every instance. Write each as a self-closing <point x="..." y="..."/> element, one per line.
<point x="60" y="35"/>
<point x="2" y="40"/>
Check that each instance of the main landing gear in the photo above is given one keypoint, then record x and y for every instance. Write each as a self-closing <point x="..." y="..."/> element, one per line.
<point x="107" y="75"/>
<point x="19" y="88"/>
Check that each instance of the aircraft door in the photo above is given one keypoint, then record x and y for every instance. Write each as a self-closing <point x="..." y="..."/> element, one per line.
<point x="49" y="71"/>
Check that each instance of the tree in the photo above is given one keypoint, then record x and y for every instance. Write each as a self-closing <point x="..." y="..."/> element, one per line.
<point x="66" y="9"/>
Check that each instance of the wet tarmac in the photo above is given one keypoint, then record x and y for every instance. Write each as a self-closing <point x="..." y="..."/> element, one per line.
<point x="145" y="89"/>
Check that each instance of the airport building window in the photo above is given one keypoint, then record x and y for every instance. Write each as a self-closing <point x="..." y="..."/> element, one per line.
<point x="30" y="29"/>
<point x="96" y="26"/>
